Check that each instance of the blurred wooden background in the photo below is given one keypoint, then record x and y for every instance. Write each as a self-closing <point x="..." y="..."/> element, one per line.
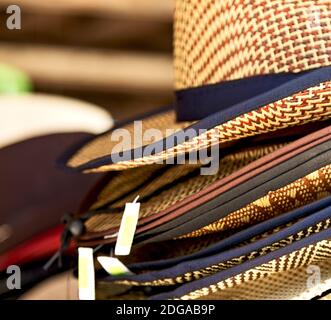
<point x="117" y="54"/>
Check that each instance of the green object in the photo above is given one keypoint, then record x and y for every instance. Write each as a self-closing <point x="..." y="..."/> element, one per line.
<point x="13" y="81"/>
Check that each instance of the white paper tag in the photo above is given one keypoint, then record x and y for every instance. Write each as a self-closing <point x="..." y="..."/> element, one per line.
<point x="127" y="228"/>
<point x="86" y="279"/>
<point x="113" y="266"/>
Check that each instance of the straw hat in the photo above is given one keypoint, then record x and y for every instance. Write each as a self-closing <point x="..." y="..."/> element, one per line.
<point x="185" y="209"/>
<point x="242" y="68"/>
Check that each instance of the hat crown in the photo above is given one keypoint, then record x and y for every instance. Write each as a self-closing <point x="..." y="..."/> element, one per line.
<point x="220" y="40"/>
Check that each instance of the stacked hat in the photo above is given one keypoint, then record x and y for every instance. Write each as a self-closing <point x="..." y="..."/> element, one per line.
<point x="234" y="178"/>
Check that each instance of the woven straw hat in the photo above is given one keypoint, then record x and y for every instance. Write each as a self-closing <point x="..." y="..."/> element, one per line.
<point x="293" y="263"/>
<point x="261" y="250"/>
<point x="157" y="208"/>
<point x="242" y="68"/>
<point x="163" y="277"/>
<point x="169" y="193"/>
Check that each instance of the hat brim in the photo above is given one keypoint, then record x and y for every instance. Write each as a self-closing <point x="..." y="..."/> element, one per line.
<point x="160" y="211"/>
<point x="43" y="114"/>
<point x="35" y="192"/>
<point x="296" y="102"/>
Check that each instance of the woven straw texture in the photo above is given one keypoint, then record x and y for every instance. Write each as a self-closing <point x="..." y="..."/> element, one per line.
<point x="165" y="249"/>
<point x="172" y="175"/>
<point x="306" y="256"/>
<point x="217" y="267"/>
<point x="186" y="187"/>
<point x="312" y="187"/>
<point x="312" y="104"/>
<point x="302" y="283"/>
<point x="218" y="40"/>
<point x="124" y="182"/>
<point x="106" y="144"/>
<point x="126" y="185"/>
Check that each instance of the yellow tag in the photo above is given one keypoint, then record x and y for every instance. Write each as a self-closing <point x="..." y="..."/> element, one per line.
<point x="86" y="280"/>
<point x="82" y="278"/>
<point x="127" y="228"/>
<point x="113" y="266"/>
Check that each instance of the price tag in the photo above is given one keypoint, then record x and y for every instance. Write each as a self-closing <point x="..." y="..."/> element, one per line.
<point x="86" y="278"/>
<point x="113" y="266"/>
<point x="127" y="228"/>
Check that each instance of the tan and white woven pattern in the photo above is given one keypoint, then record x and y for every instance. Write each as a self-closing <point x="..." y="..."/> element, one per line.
<point x="220" y="266"/>
<point x="127" y="184"/>
<point x="306" y="256"/>
<point x="302" y="283"/>
<point x="123" y="182"/>
<point x="312" y="187"/>
<point x="106" y="143"/>
<point x="176" y="192"/>
<point x="312" y="104"/>
<point x="165" y="180"/>
<point x="218" y="40"/>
